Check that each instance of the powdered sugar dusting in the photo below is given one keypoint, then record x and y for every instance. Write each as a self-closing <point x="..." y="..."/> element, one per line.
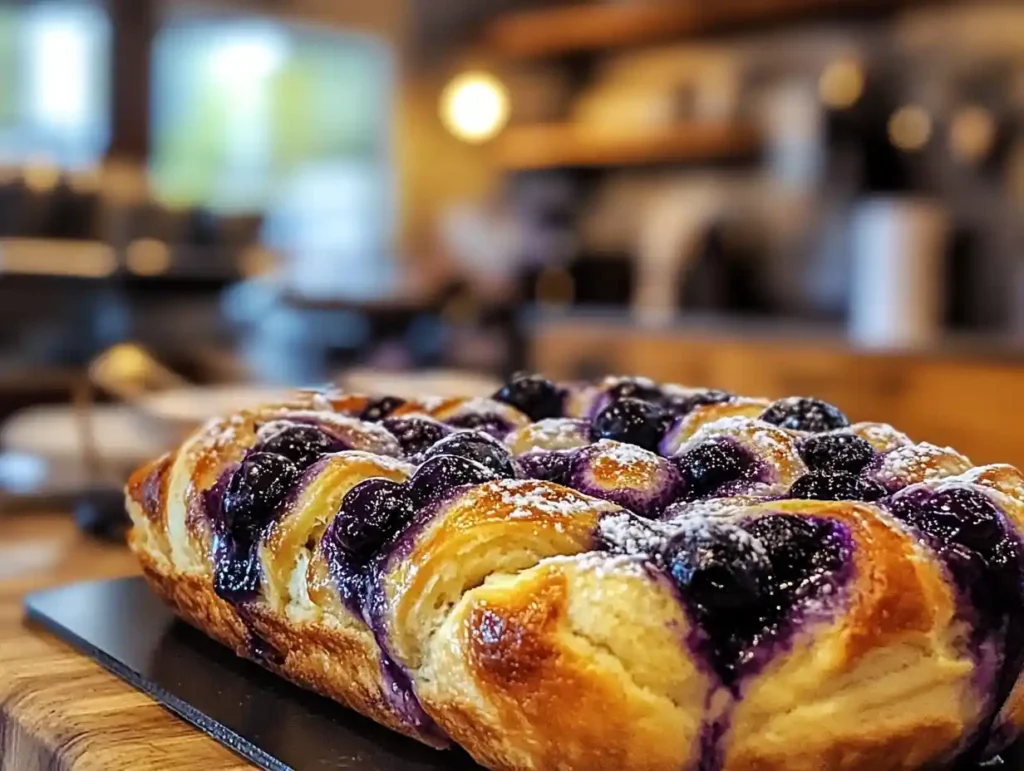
<point x="601" y="564"/>
<point x="774" y="446"/>
<point x="625" y="455"/>
<point x="551" y="434"/>
<point x="920" y="463"/>
<point x="627" y="533"/>
<point x="527" y="498"/>
<point x="881" y="436"/>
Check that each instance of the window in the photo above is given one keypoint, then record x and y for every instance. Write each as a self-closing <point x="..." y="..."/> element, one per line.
<point x="54" y="84"/>
<point x="242" y="107"/>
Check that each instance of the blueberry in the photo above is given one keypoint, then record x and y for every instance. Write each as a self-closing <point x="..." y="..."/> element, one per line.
<point x="380" y="408"/>
<point x="835" y="486"/>
<point x="443" y="472"/>
<point x="804" y="552"/>
<point x="805" y="414"/>
<point x="546" y="465"/>
<point x="487" y="422"/>
<point x="726" y="582"/>
<point x="635" y="388"/>
<point x="255" y="492"/>
<point x="679" y="405"/>
<point x="632" y="421"/>
<point x="957" y="516"/>
<point x="237" y="574"/>
<point x="370" y="513"/>
<point x="836" y="452"/>
<point x="302" y="445"/>
<point x="719" y="569"/>
<point x="985" y="558"/>
<point x="713" y="464"/>
<point x="534" y="396"/>
<point x="476" y="446"/>
<point x="416" y="433"/>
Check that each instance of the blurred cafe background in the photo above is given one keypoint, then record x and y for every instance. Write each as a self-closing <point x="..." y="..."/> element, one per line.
<point x="203" y="202"/>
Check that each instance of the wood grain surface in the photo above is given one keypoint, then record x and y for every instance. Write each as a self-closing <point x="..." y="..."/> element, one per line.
<point x="60" y="710"/>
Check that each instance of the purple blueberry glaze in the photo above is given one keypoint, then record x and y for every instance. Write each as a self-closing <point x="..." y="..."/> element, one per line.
<point x="746" y="587"/>
<point x="985" y="559"/>
<point x="747" y="595"/>
<point x="400" y="691"/>
<point x="252" y="496"/>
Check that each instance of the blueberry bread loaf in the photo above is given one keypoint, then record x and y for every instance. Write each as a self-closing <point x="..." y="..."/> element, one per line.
<point x="607" y="576"/>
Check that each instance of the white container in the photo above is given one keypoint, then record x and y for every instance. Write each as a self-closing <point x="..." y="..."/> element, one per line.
<point x="898" y="271"/>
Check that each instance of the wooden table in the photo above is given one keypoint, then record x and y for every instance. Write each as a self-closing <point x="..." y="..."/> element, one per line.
<point x="58" y="709"/>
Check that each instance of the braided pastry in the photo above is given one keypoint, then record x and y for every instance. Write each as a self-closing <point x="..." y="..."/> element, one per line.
<point x="607" y="576"/>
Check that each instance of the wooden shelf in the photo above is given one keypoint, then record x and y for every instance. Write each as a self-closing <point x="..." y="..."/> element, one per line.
<point x="599" y="25"/>
<point x="566" y="145"/>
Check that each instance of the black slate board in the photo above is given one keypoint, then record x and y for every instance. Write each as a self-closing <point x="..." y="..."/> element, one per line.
<point x="265" y="719"/>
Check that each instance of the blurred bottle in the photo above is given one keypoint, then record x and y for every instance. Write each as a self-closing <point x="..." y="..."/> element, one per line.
<point x="899" y="228"/>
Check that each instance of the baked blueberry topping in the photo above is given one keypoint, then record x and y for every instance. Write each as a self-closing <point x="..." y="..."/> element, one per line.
<point x="416" y="433"/>
<point x="443" y="472"/>
<point x="804" y="552"/>
<point x="802" y="413"/>
<point x="635" y="388"/>
<point x="370" y="513"/>
<point x="742" y="584"/>
<point x="726" y="582"/>
<point x="547" y="465"/>
<point x="487" y="422"/>
<point x="302" y="445"/>
<point x="255" y="492"/>
<point x="534" y="396"/>
<point x="236" y="570"/>
<point x="713" y="464"/>
<point x="835" y="486"/>
<point x="631" y="421"/>
<point x="986" y="560"/>
<point x="836" y="452"/>
<point x="679" y="405"/>
<point x="380" y="408"/>
<point x="955" y="517"/>
<point x="477" y="446"/>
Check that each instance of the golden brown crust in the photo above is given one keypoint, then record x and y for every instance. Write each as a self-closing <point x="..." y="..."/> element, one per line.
<point x="533" y="652"/>
<point x="337" y="661"/>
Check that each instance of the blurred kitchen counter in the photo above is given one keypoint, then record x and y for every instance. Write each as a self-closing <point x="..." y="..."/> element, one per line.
<point x="59" y="709"/>
<point x="961" y="392"/>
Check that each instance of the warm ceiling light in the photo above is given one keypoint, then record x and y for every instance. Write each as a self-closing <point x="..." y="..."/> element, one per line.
<point x="148" y="257"/>
<point x="41" y="177"/>
<point x="475" y="106"/>
<point x="841" y="84"/>
<point x="972" y="134"/>
<point x="910" y="128"/>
